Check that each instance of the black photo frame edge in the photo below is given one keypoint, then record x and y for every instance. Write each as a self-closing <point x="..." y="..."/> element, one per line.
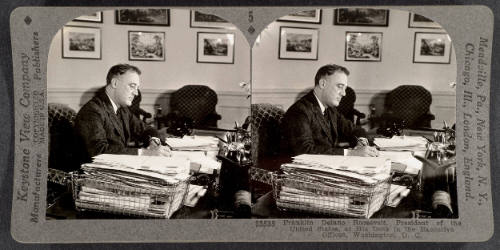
<point x="415" y="43"/>
<point x="84" y="58"/>
<point x="142" y="24"/>
<point x="206" y="32"/>
<point x="279" y="44"/>
<point x="345" y="47"/>
<point x="146" y="60"/>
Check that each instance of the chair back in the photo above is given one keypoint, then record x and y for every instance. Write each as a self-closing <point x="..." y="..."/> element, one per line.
<point x="197" y="103"/>
<point x="136" y="109"/>
<point x="346" y="107"/>
<point x="61" y="137"/>
<point x="410" y="104"/>
<point x="266" y="134"/>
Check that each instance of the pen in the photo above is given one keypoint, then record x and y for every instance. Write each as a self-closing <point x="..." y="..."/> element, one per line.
<point x="360" y="141"/>
<point x="155" y="140"/>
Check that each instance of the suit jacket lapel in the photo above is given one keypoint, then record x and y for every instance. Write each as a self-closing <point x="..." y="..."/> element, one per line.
<point x="117" y="123"/>
<point x="319" y="116"/>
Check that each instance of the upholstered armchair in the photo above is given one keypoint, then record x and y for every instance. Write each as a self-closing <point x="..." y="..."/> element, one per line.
<point x="409" y="105"/>
<point x="406" y="107"/>
<point x="346" y="107"/>
<point x="62" y="157"/>
<point x="137" y="110"/>
<point x="265" y="121"/>
<point x="194" y="104"/>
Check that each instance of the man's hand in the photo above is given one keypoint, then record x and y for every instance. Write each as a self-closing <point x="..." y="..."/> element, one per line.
<point x="363" y="151"/>
<point x="362" y="142"/>
<point x="156" y="149"/>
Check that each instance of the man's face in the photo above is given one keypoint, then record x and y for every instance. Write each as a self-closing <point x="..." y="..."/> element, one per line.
<point x="126" y="88"/>
<point x="333" y="88"/>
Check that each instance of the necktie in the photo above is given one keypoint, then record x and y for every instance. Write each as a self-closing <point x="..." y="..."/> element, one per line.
<point x="121" y="118"/>
<point x="326" y="114"/>
<point x="329" y="123"/>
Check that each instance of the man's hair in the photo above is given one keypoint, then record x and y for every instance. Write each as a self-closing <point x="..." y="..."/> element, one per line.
<point x="120" y="69"/>
<point x="329" y="70"/>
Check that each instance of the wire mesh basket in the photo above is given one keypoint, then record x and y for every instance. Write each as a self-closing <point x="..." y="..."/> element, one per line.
<point x="353" y="199"/>
<point x="92" y="194"/>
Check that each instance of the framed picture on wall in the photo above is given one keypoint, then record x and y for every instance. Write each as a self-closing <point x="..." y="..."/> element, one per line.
<point x="419" y="21"/>
<point x="363" y="46"/>
<point x="306" y="16"/>
<point x="146" y="46"/>
<point x="92" y="18"/>
<point x="204" y="20"/>
<point x="432" y="48"/>
<point x="361" y="17"/>
<point x="155" y="17"/>
<point x="81" y="42"/>
<point x="298" y="43"/>
<point x="215" y="47"/>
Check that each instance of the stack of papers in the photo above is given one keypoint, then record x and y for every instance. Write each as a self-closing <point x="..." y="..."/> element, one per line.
<point x="346" y="185"/>
<point x="141" y="185"/>
<point x="201" y="151"/>
<point x="402" y="143"/>
<point x="196" y="143"/>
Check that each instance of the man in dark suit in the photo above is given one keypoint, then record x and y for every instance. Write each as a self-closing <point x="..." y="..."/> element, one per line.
<point x="312" y="125"/>
<point x="105" y="123"/>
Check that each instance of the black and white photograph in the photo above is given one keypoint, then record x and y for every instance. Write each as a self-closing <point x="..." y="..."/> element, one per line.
<point x="146" y="46"/>
<point x="155" y="17"/>
<point x="215" y="47"/>
<point x="432" y="48"/>
<point x="419" y="21"/>
<point x="341" y="138"/>
<point x="81" y="42"/>
<point x="297" y="124"/>
<point x="205" y="20"/>
<point x="306" y="16"/>
<point x="298" y="43"/>
<point x="363" y="46"/>
<point x="92" y="18"/>
<point x="148" y="132"/>
<point x="361" y="17"/>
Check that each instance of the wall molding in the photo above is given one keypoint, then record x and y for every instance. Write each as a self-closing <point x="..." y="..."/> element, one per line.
<point x="232" y="105"/>
<point x="235" y="106"/>
<point x="443" y="102"/>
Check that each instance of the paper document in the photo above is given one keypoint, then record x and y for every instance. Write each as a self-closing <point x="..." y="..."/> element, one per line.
<point x="194" y="194"/>
<point x="131" y="184"/>
<point x="347" y="185"/>
<point x="205" y="164"/>
<point x="405" y="158"/>
<point x="396" y="194"/>
<point x="355" y="164"/>
<point x="202" y="143"/>
<point x="402" y="143"/>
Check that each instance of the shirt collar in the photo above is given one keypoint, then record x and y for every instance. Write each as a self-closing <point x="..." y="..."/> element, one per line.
<point x="321" y="106"/>
<point x="115" y="107"/>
